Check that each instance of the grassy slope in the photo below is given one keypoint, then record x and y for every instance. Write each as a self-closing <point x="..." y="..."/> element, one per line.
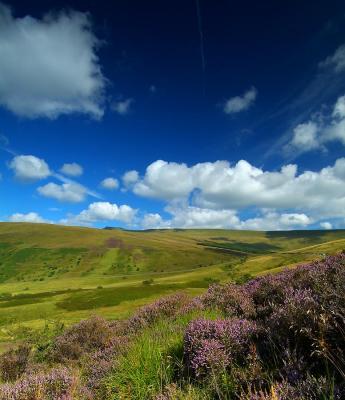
<point x="54" y="272"/>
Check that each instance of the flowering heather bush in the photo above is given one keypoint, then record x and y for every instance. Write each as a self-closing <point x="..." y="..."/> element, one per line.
<point x="296" y="322"/>
<point x="298" y="315"/>
<point x="14" y="362"/>
<point x="58" y="384"/>
<point x="88" y="335"/>
<point x="165" y="307"/>
<point x="99" y="363"/>
<point x="309" y="389"/>
<point x="230" y="299"/>
<point x="213" y="345"/>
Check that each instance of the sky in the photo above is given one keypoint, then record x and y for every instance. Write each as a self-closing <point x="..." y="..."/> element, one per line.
<point x="184" y="114"/>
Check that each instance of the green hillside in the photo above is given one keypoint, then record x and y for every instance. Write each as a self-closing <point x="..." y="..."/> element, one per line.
<point x="52" y="272"/>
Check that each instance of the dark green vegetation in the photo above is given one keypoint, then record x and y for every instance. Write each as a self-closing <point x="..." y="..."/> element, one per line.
<point x="55" y="273"/>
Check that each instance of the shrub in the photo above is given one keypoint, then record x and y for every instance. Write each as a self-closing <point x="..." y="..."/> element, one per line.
<point x="57" y="384"/>
<point x="213" y="345"/>
<point x="148" y="282"/>
<point x="291" y="324"/>
<point x="100" y="363"/>
<point x="230" y="299"/>
<point x="13" y="363"/>
<point x="165" y="307"/>
<point x="310" y="388"/>
<point x="88" y="335"/>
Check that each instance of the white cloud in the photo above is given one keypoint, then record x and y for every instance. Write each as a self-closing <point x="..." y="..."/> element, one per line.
<point x="305" y="136"/>
<point x="104" y="211"/>
<point x="335" y="61"/>
<point x="196" y="217"/>
<point x="154" y="221"/>
<point x="326" y="225"/>
<point x="72" y="169"/>
<point x="316" y="134"/>
<point x="294" y="219"/>
<point x="165" y="180"/>
<point x="49" y="66"/>
<point x="110" y="183"/>
<point x="66" y="192"/>
<point x="272" y="221"/>
<point x="129" y="178"/>
<point x="29" y="168"/>
<point x="122" y="107"/>
<point x="219" y="185"/>
<point x="240" y="103"/>
<point x="339" y="108"/>
<point x="29" y="217"/>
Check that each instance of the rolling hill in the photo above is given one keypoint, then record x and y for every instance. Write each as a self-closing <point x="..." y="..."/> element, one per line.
<point x="52" y="272"/>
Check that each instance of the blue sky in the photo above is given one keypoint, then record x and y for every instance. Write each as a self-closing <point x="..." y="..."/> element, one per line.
<point x="148" y="115"/>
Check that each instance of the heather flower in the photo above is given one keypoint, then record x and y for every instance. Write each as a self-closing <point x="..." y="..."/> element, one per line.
<point x="99" y="363"/>
<point x="310" y="388"/>
<point x="88" y="335"/>
<point x="58" y="384"/>
<point x="14" y="362"/>
<point x="210" y="356"/>
<point x="216" y="344"/>
<point x="165" y="307"/>
<point x="231" y="299"/>
<point x="298" y="313"/>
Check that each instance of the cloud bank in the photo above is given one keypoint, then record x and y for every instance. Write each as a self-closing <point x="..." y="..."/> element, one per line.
<point x="222" y="186"/>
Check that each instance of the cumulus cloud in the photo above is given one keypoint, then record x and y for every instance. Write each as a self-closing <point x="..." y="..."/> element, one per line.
<point x="122" y="107"/>
<point x="219" y="185"/>
<point x="165" y="180"/>
<point x="49" y="66"/>
<point x="316" y="134"/>
<point x="154" y="221"/>
<point x="66" y="192"/>
<point x="129" y="178"/>
<point x="197" y="217"/>
<point x="272" y="221"/>
<point x="110" y="183"/>
<point x="72" y="169"/>
<point x="336" y="61"/>
<point x="305" y="136"/>
<point x="240" y="103"/>
<point x="326" y="225"/>
<point x="29" y="217"/>
<point x="102" y="211"/>
<point x="339" y="108"/>
<point x="28" y="168"/>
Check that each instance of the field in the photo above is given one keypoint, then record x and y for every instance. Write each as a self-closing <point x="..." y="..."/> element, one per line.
<point x="55" y="273"/>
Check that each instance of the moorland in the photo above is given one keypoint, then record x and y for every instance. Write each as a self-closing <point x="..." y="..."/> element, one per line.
<point x="52" y="273"/>
<point x="260" y="331"/>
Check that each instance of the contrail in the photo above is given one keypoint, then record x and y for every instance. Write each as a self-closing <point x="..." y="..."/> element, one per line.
<point x="201" y="35"/>
<point x="4" y="143"/>
<point x="63" y="179"/>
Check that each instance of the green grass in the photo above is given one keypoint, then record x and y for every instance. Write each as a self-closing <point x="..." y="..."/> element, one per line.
<point x="152" y="361"/>
<point x="51" y="272"/>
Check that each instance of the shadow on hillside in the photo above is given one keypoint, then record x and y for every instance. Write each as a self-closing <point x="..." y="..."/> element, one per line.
<point x="308" y="236"/>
